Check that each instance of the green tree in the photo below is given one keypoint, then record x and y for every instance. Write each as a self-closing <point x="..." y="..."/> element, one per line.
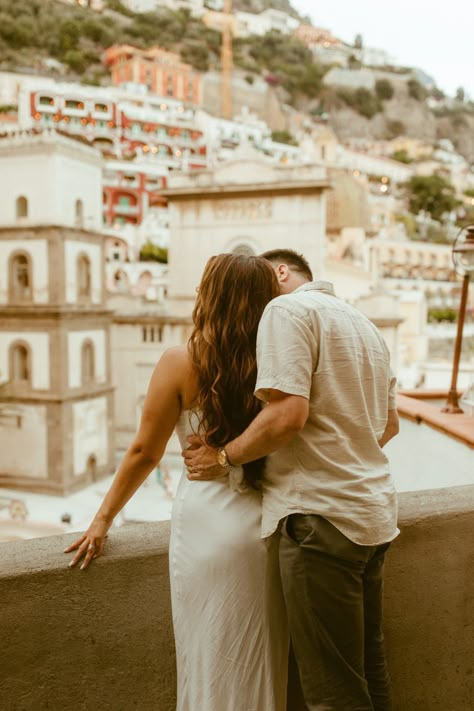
<point x="395" y="128"/>
<point x="433" y="194"/>
<point x="353" y="62"/>
<point x="436" y="315"/>
<point x="401" y="156"/>
<point x="384" y="89"/>
<point x="460" y="94"/>
<point x="361" y="100"/>
<point x="196" y="53"/>
<point x="69" y="33"/>
<point x="416" y="90"/>
<point x="284" y="137"/>
<point x="152" y="253"/>
<point x="117" y="6"/>
<point x="78" y="61"/>
<point x="358" y="41"/>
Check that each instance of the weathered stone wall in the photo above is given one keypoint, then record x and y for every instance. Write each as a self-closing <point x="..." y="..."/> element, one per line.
<point x="103" y="638"/>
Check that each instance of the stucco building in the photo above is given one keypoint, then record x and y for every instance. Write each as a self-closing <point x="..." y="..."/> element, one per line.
<point x="161" y="71"/>
<point x="247" y="204"/>
<point x="56" y="432"/>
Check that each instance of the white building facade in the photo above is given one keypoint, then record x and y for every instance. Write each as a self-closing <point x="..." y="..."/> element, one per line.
<point x="56" y="417"/>
<point x="49" y="179"/>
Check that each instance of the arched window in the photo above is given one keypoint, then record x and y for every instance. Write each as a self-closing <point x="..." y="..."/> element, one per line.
<point x="20" y="363"/>
<point x="87" y="363"/>
<point x="20" y="282"/>
<point x="121" y="280"/>
<point x="83" y="278"/>
<point x="21" y="207"/>
<point x="79" y="213"/>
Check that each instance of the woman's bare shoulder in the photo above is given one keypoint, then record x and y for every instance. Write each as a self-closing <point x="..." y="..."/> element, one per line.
<point x="176" y="361"/>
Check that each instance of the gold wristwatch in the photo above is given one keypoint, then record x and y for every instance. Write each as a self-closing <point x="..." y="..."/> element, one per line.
<point x="222" y="458"/>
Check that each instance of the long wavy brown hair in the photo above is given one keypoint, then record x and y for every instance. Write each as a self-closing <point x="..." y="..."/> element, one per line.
<point x="232" y="295"/>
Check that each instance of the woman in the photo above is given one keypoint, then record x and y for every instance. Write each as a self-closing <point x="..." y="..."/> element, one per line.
<point x="228" y="612"/>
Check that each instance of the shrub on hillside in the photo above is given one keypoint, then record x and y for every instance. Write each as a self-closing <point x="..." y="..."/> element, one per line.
<point x="395" y="128"/>
<point x="416" y="90"/>
<point x="384" y="89"/>
<point x="284" y="60"/>
<point x="361" y="100"/>
<point x="401" y="156"/>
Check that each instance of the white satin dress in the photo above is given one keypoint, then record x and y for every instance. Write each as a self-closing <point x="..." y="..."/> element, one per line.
<point x="228" y="611"/>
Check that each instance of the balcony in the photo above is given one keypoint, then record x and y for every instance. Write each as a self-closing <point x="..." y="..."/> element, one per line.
<point x="121" y="209"/>
<point x="103" y="638"/>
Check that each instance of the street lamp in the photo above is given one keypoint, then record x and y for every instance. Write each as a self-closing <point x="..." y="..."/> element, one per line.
<point x="463" y="259"/>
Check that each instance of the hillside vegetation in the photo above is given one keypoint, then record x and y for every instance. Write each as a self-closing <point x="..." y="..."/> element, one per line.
<point x="48" y="36"/>
<point x="34" y="30"/>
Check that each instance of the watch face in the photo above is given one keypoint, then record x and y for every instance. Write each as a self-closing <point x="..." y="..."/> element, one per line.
<point x="221" y="458"/>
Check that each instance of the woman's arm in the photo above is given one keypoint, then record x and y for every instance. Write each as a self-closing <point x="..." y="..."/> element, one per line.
<point x="161" y="410"/>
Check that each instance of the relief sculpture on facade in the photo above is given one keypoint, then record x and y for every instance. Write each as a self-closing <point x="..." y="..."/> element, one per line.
<point x="235" y="210"/>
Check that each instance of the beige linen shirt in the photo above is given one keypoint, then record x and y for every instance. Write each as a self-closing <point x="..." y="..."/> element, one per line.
<point x="312" y="344"/>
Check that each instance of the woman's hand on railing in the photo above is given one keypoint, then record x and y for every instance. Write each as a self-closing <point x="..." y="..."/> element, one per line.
<point x="90" y="544"/>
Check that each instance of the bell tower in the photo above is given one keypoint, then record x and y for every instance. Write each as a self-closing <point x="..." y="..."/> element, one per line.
<point x="56" y="409"/>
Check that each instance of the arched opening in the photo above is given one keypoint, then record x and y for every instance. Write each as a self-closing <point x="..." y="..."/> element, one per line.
<point x="121" y="281"/>
<point x="20" y="363"/>
<point x="244" y="249"/>
<point x="21" y="207"/>
<point x="83" y="278"/>
<point x="79" y="213"/>
<point x="87" y="363"/>
<point x="144" y="282"/>
<point x="20" y="282"/>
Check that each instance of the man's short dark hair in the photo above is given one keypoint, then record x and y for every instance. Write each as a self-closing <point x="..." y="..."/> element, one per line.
<point x="292" y="259"/>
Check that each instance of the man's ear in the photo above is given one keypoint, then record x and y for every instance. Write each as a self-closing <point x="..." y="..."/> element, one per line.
<point x="282" y="273"/>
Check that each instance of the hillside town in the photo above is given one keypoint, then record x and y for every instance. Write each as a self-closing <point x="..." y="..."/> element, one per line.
<point x="115" y="194"/>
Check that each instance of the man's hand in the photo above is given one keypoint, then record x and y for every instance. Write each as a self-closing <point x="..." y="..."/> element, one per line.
<point x="201" y="461"/>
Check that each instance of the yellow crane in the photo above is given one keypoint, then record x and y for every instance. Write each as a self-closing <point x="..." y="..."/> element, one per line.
<point x="227" y="62"/>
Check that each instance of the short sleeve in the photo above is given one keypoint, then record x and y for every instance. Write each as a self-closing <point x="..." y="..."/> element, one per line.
<point x="392" y="392"/>
<point x="286" y="353"/>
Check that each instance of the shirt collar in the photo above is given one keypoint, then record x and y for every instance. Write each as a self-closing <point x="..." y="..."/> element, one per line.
<point x="325" y="286"/>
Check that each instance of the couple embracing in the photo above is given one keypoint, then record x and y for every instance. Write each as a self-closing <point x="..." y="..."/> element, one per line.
<point x="283" y="400"/>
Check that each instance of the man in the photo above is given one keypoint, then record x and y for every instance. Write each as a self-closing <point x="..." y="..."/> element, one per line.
<point x="323" y="370"/>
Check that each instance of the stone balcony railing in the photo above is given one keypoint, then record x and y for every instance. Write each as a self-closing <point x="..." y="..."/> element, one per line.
<point x="74" y="640"/>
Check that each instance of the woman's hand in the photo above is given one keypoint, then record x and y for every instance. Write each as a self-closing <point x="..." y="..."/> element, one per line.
<point x="90" y="544"/>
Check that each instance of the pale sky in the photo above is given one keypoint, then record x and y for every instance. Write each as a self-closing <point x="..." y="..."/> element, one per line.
<point x="436" y="36"/>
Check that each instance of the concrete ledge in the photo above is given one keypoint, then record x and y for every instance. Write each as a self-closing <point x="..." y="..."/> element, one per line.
<point x="83" y="640"/>
<point x="103" y="639"/>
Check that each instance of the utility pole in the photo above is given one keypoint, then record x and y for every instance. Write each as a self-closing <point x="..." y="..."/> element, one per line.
<point x="227" y="63"/>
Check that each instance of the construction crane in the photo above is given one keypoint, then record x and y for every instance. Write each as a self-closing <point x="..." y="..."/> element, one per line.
<point x="227" y="62"/>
